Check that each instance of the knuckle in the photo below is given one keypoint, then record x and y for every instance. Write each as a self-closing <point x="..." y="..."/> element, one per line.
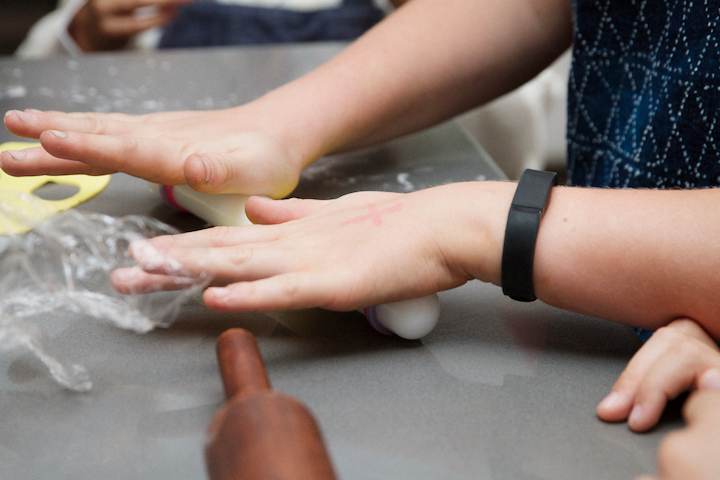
<point x="239" y="255"/>
<point x="289" y="286"/>
<point x="97" y="125"/>
<point x="220" y="236"/>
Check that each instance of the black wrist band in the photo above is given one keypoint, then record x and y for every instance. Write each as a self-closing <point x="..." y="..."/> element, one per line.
<point x="527" y="209"/>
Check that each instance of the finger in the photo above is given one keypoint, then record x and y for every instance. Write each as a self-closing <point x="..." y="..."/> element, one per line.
<point x="618" y="404"/>
<point x="265" y="211"/>
<point x="213" y="237"/>
<point x="710" y="380"/>
<point x="154" y="160"/>
<point x="31" y="123"/>
<point x="691" y="328"/>
<point x="36" y="161"/>
<point x="133" y="281"/>
<point x="664" y="382"/>
<point x="701" y="406"/>
<point x="674" y="373"/>
<point x="616" y="407"/>
<point x="224" y="264"/>
<point x="283" y="292"/>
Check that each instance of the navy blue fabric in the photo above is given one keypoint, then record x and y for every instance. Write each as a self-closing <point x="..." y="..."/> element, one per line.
<point x="206" y="24"/>
<point x="644" y="94"/>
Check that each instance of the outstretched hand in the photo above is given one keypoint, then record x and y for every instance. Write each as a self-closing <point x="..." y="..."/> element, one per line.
<point x="363" y="249"/>
<point x="212" y="151"/>
<point x="671" y="362"/>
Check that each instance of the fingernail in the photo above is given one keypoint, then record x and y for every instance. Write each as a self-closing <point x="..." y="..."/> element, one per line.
<point x="126" y="274"/>
<point x="25" y="117"/>
<point x="59" y="134"/>
<point x="635" y="415"/>
<point x="17" y="154"/>
<point x="710" y="380"/>
<point x="219" y="292"/>
<point x="610" y="400"/>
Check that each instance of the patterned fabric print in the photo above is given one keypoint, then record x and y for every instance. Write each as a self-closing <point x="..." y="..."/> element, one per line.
<point x="644" y="94"/>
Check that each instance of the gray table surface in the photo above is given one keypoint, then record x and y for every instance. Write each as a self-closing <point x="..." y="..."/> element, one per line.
<point x="499" y="390"/>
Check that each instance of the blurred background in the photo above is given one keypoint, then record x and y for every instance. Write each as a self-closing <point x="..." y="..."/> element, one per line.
<point x="16" y="18"/>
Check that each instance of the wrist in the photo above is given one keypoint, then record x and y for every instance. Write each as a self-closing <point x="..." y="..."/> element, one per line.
<point x="289" y="125"/>
<point x="475" y="241"/>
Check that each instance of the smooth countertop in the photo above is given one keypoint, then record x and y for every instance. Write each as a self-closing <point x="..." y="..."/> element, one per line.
<point x="499" y="390"/>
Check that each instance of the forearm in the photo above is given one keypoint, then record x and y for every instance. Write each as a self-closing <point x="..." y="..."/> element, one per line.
<point x="426" y="62"/>
<point x="640" y="257"/>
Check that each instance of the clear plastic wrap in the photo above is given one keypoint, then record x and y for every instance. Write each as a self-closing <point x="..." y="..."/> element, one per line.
<point x="65" y="263"/>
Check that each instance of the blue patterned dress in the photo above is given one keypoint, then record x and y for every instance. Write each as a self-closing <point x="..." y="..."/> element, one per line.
<point x="644" y="94"/>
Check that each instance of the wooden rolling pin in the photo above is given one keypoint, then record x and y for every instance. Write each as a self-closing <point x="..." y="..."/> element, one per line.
<point x="260" y="434"/>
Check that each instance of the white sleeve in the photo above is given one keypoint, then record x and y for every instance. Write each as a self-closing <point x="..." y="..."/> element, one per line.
<point x="49" y="36"/>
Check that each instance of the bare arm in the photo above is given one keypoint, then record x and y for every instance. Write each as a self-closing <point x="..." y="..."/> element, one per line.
<point x="640" y="257"/>
<point x="426" y="62"/>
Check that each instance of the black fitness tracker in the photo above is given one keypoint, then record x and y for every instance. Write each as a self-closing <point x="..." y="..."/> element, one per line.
<point x="527" y="209"/>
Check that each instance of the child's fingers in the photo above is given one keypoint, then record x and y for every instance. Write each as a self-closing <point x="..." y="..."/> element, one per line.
<point x="31" y="123"/>
<point x="710" y="380"/>
<point x="224" y="264"/>
<point x="152" y="160"/>
<point x="132" y="281"/>
<point x="210" y="238"/>
<point x="617" y="405"/>
<point x="680" y="340"/>
<point x="702" y="406"/>
<point x="264" y="211"/>
<point x="691" y="452"/>
<point x="36" y="161"/>
<point x="282" y="292"/>
<point x="668" y="378"/>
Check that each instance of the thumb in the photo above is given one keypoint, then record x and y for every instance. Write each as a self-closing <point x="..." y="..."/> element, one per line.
<point x="216" y="173"/>
<point x="710" y="380"/>
<point x="264" y="211"/>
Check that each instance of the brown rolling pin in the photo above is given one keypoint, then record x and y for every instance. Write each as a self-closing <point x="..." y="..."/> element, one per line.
<point x="260" y="434"/>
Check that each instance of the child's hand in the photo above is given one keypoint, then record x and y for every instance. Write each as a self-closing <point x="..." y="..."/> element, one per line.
<point x="109" y="24"/>
<point x="670" y="362"/>
<point x="692" y="453"/>
<point x="363" y="249"/>
<point x="212" y="151"/>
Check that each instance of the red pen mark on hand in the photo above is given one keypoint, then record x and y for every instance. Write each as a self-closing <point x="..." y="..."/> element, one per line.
<point x="375" y="215"/>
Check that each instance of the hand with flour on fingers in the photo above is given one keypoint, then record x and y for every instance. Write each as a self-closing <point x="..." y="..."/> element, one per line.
<point x="671" y="362"/>
<point x="597" y="252"/>
<point x="343" y="254"/>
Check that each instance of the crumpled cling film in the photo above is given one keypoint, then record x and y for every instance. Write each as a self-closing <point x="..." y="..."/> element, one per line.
<point x="65" y="263"/>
